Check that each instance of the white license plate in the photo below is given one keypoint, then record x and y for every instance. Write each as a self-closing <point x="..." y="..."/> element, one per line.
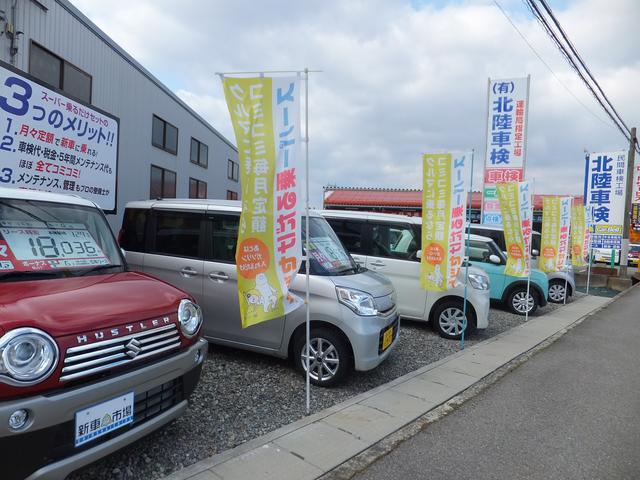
<point x="100" y="419"/>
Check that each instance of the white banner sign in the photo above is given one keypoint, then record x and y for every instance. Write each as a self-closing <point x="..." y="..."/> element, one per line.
<point x="508" y="103"/>
<point x="52" y="143"/>
<point x="605" y="182"/>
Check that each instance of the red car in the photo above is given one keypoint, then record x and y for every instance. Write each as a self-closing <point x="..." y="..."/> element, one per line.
<point x="92" y="355"/>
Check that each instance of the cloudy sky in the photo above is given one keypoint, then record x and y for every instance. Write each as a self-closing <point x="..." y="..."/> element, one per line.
<point x="399" y="78"/>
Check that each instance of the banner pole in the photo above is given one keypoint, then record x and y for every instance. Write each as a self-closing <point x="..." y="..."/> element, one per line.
<point x="466" y="268"/>
<point x="566" y="256"/>
<point x="590" y="259"/>
<point x="306" y="247"/>
<point x="533" y="196"/>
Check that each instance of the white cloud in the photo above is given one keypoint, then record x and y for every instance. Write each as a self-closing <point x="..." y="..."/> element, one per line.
<point x="396" y="81"/>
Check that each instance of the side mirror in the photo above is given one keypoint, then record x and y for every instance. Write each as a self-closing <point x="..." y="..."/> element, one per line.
<point x="419" y="254"/>
<point x="493" y="258"/>
<point x="535" y="253"/>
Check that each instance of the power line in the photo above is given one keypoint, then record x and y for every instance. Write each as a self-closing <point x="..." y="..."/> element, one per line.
<point x="572" y="63"/>
<point x="547" y="65"/>
<point x="584" y="66"/>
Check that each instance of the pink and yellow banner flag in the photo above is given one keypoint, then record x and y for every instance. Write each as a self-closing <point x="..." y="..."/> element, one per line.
<point x="265" y="113"/>
<point x="516" y="211"/>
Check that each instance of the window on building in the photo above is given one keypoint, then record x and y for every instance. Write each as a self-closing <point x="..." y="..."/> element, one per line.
<point x="59" y="73"/>
<point x="199" y="153"/>
<point x="231" y="195"/>
<point x="233" y="170"/>
<point x="197" y="188"/>
<point x="164" y="135"/>
<point x="163" y="183"/>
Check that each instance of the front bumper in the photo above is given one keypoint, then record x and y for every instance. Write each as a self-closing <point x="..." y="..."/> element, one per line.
<point x="45" y="450"/>
<point x="365" y="333"/>
<point x="481" y="302"/>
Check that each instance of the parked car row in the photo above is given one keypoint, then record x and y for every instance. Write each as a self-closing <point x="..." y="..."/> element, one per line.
<point x="100" y="344"/>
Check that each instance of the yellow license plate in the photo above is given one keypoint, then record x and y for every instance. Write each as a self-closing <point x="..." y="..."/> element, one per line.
<point x="387" y="338"/>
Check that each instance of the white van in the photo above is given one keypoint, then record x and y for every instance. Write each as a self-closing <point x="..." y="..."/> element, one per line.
<point x="390" y="244"/>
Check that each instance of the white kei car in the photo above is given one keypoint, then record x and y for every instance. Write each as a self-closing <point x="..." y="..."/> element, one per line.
<point x="390" y="244"/>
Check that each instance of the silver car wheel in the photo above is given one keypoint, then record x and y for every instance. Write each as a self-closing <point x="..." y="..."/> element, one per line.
<point x="556" y="292"/>
<point x="520" y="302"/>
<point x="452" y="321"/>
<point x="324" y="360"/>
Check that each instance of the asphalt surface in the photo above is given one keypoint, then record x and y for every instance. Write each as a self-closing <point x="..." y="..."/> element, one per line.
<point x="570" y="412"/>
<point x="242" y="395"/>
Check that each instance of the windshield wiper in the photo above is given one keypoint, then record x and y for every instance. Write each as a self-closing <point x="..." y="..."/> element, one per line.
<point x="98" y="268"/>
<point x="30" y="274"/>
<point x="346" y="270"/>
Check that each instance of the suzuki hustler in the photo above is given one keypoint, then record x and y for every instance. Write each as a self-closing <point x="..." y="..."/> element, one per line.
<point x="92" y="355"/>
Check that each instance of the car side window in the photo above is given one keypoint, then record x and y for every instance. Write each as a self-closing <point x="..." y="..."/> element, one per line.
<point x="393" y="241"/>
<point x="224" y="238"/>
<point x="350" y="233"/>
<point x="134" y="226"/>
<point x="479" y="251"/>
<point x="177" y="233"/>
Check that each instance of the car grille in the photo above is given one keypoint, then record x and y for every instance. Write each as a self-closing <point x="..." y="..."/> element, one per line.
<point x="385" y="305"/>
<point x="92" y="358"/>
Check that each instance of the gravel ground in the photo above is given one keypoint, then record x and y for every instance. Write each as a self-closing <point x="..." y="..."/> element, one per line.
<point x="242" y="395"/>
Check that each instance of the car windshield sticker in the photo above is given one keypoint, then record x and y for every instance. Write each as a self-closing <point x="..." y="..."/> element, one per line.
<point x="34" y="246"/>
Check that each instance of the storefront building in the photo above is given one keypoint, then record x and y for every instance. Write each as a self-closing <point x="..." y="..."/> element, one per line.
<point x="165" y="148"/>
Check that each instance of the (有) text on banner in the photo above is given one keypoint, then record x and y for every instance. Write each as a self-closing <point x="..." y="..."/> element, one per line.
<point x="265" y="113"/>
<point x="515" y="207"/>
<point x="444" y="196"/>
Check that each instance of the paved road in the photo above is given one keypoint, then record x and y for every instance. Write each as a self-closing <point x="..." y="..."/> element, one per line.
<point x="571" y="412"/>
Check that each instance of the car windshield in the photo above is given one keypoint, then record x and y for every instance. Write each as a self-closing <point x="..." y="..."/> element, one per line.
<point x="328" y="255"/>
<point x="41" y="240"/>
<point x="634" y="248"/>
<point x="481" y="250"/>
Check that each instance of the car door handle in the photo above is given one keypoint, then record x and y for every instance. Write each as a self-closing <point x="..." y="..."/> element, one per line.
<point x="188" y="272"/>
<point x="218" y="276"/>
<point x="378" y="264"/>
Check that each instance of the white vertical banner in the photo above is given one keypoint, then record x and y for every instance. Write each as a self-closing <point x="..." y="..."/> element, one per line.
<point x="605" y="183"/>
<point x="505" y="159"/>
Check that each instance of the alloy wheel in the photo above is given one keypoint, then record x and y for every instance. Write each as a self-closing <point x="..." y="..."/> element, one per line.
<point x="556" y="292"/>
<point x="452" y="321"/>
<point x="324" y="360"/>
<point x="520" y="302"/>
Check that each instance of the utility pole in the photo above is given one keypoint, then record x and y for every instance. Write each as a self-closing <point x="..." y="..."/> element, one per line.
<point x="627" y="204"/>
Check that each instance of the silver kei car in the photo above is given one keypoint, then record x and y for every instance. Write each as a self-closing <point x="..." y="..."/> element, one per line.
<point x="192" y="243"/>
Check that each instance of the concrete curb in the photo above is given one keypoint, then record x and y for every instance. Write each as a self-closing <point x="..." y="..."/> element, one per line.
<point x="342" y="435"/>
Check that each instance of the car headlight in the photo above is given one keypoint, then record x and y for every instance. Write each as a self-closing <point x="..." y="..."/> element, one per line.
<point x="27" y="356"/>
<point x="360" y="302"/>
<point x="190" y="317"/>
<point x="479" y="282"/>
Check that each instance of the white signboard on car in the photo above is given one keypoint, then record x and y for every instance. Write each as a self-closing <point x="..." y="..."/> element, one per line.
<point x="53" y="143"/>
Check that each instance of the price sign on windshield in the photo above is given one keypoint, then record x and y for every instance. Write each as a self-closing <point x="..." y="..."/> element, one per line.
<point x="28" y="246"/>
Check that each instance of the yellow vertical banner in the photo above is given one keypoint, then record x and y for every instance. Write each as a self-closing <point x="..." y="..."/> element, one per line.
<point x="515" y="208"/>
<point x="436" y="205"/>
<point x="265" y="117"/>
<point x="549" y="243"/>
<point x="579" y="236"/>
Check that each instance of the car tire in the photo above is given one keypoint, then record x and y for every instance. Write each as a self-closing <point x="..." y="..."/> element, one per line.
<point x="517" y="300"/>
<point x="333" y="358"/>
<point x="448" y="319"/>
<point x="557" y="291"/>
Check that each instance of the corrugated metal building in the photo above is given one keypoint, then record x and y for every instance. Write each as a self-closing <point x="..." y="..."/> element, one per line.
<point x="166" y="149"/>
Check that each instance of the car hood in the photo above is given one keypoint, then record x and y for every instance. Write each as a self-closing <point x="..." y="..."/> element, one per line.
<point x="367" y="281"/>
<point x="67" y="306"/>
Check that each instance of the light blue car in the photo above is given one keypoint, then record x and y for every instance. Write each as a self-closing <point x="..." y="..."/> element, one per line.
<point x="511" y="291"/>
